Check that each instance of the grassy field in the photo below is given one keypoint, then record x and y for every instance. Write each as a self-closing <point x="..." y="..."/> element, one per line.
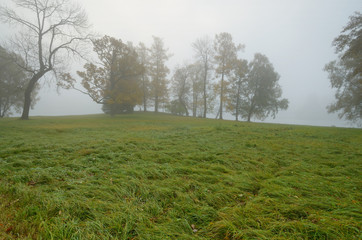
<point x="148" y="176"/>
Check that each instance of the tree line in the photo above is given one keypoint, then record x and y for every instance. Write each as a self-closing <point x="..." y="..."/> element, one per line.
<point x="125" y="76"/>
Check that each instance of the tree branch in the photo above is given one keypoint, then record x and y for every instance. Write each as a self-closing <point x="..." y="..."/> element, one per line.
<point x="95" y="99"/>
<point x="10" y="16"/>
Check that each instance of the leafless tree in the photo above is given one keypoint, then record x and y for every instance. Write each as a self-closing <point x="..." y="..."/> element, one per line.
<point x="204" y="53"/>
<point x="50" y="33"/>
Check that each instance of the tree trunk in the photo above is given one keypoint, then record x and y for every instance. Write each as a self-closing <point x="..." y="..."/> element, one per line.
<point x="27" y="102"/>
<point x="194" y="106"/>
<point x="1" y="110"/>
<point x="144" y="106"/>
<point x="249" y="116"/>
<point x="156" y="104"/>
<point x="205" y="103"/>
<point x="144" y="94"/>
<point x="184" y="106"/>
<point x="113" y="81"/>
<point x="221" y="95"/>
<point x="27" y="95"/>
<point x="251" y="110"/>
<point x="238" y="101"/>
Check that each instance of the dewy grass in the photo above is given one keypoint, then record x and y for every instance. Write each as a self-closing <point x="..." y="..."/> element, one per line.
<point x="155" y="176"/>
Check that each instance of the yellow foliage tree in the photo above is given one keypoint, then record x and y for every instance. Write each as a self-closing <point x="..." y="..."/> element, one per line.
<point x="115" y="81"/>
<point x="158" y="72"/>
<point x="225" y="57"/>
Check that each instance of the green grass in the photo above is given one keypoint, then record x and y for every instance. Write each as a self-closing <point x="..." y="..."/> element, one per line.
<point x="148" y="176"/>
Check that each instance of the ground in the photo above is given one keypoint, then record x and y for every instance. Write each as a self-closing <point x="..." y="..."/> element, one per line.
<point x="156" y="176"/>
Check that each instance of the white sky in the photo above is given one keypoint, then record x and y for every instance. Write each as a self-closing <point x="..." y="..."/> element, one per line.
<point x="295" y="35"/>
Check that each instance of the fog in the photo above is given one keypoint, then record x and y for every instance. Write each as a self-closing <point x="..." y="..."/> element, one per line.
<point x="295" y="35"/>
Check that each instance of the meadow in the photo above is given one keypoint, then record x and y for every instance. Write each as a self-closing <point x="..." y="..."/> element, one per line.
<point x="156" y="176"/>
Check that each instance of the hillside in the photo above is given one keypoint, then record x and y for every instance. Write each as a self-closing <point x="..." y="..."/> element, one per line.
<point x="148" y="176"/>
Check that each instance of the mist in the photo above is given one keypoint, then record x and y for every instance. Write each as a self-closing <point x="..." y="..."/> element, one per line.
<point x="193" y="161"/>
<point x="296" y="36"/>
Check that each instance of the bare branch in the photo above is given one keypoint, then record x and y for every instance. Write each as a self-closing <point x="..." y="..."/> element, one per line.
<point x="10" y="16"/>
<point x="94" y="98"/>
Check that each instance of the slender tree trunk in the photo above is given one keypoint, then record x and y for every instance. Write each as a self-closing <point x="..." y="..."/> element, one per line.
<point x="1" y="114"/>
<point x="194" y="99"/>
<point x="205" y="80"/>
<point x="144" y="94"/>
<point x="221" y="95"/>
<point x="194" y="105"/>
<point x="144" y="105"/>
<point x="205" y="103"/>
<point x="113" y="81"/>
<point x="157" y="85"/>
<point x="184" y="106"/>
<point x="156" y="103"/>
<point x="238" y="101"/>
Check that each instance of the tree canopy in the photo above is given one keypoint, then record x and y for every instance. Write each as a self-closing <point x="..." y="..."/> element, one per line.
<point x="125" y="76"/>
<point x="115" y="81"/>
<point x="13" y="80"/>
<point x="260" y="95"/>
<point x="238" y="81"/>
<point x="181" y="86"/>
<point x="225" y="56"/>
<point x="158" y="72"/>
<point x="345" y="73"/>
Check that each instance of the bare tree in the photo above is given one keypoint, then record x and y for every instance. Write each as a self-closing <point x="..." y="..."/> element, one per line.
<point x="51" y="31"/>
<point x="204" y="53"/>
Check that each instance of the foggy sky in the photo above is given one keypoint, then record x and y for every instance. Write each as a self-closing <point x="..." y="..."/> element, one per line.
<point x="295" y="35"/>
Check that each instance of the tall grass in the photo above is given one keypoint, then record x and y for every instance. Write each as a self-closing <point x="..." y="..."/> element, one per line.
<point x="148" y="176"/>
